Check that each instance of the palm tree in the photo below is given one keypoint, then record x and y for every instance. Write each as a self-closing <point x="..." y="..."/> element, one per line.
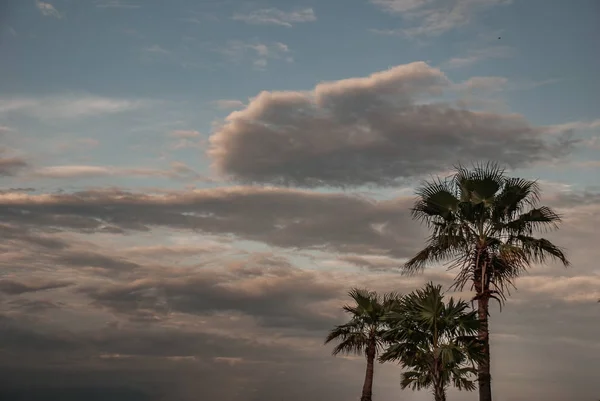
<point x="436" y="342"/>
<point x="363" y="333"/>
<point x="483" y="223"/>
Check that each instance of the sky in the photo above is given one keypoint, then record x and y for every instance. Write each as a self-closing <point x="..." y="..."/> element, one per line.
<point x="188" y="189"/>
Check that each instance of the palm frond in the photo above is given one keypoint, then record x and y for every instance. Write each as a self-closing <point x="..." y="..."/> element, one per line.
<point x="517" y="194"/>
<point x="480" y="183"/>
<point x="439" y="249"/>
<point x="428" y="335"/>
<point x="538" y="219"/>
<point x="539" y="250"/>
<point x="436" y="200"/>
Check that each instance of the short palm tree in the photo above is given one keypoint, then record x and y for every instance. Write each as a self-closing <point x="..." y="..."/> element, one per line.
<point x="483" y="223"/>
<point x="436" y="343"/>
<point x="363" y="333"/>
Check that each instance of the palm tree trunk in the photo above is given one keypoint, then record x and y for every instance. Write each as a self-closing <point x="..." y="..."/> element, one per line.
<point x="367" y="390"/>
<point x="439" y="394"/>
<point x="484" y="377"/>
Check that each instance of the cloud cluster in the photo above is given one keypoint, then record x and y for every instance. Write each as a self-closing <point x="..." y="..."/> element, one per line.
<point x="379" y="129"/>
<point x="167" y="312"/>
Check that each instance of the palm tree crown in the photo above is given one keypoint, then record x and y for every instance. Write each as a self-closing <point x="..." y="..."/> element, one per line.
<point x="484" y="219"/>
<point x="434" y="341"/>
<point x="364" y="332"/>
<point x="366" y="322"/>
<point x="483" y="223"/>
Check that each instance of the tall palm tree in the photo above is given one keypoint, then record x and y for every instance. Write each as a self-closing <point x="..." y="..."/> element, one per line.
<point x="436" y="342"/>
<point x="363" y="333"/>
<point x="483" y="223"/>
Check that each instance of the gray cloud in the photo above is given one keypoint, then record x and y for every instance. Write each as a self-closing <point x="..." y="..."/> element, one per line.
<point x="252" y="324"/>
<point x="29" y="237"/>
<point x="11" y="165"/>
<point x="374" y="130"/>
<point x="91" y="259"/>
<point x="178" y="170"/>
<point x="13" y="287"/>
<point x="163" y="364"/>
<point x="372" y="262"/>
<point x="177" y="357"/>
<point x="279" y="217"/>
<point x="265" y="287"/>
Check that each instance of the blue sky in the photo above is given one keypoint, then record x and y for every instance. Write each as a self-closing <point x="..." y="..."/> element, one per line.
<point x="181" y="57"/>
<point x="199" y="174"/>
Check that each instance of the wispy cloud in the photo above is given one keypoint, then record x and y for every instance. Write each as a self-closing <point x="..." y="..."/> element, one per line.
<point x="156" y="49"/>
<point x="185" y="139"/>
<point x="434" y="17"/>
<point x="388" y="32"/>
<point x="592" y="125"/>
<point x="273" y="16"/>
<point x="477" y="55"/>
<point x="177" y="170"/>
<point x="184" y="134"/>
<point x="259" y="53"/>
<point x="68" y="106"/>
<point x="483" y="84"/>
<point x="47" y="9"/>
<point x="116" y="4"/>
<point x="227" y="104"/>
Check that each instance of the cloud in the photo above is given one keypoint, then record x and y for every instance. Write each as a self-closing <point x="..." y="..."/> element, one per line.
<point x="273" y="16"/>
<point x="478" y="55"/>
<point x="178" y="170"/>
<point x="382" y="263"/>
<point x="91" y="259"/>
<point x="73" y="171"/>
<point x="68" y="106"/>
<point x="184" y="134"/>
<point x="593" y="125"/>
<point x="47" y="9"/>
<point x="13" y="287"/>
<point x="279" y="217"/>
<point x="116" y="4"/>
<point x="138" y="324"/>
<point x="379" y="129"/>
<point x="156" y="49"/>
<point x="10" y="166"/>
<point x="487" y="84"/>
<point x="187" y="139"/>
<point x="435" y="17"/>
<point x="259" y="53"/>
<point x="226" y="104"/>
<point x="78" y="144"/>
<point x="266" y="288"/>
